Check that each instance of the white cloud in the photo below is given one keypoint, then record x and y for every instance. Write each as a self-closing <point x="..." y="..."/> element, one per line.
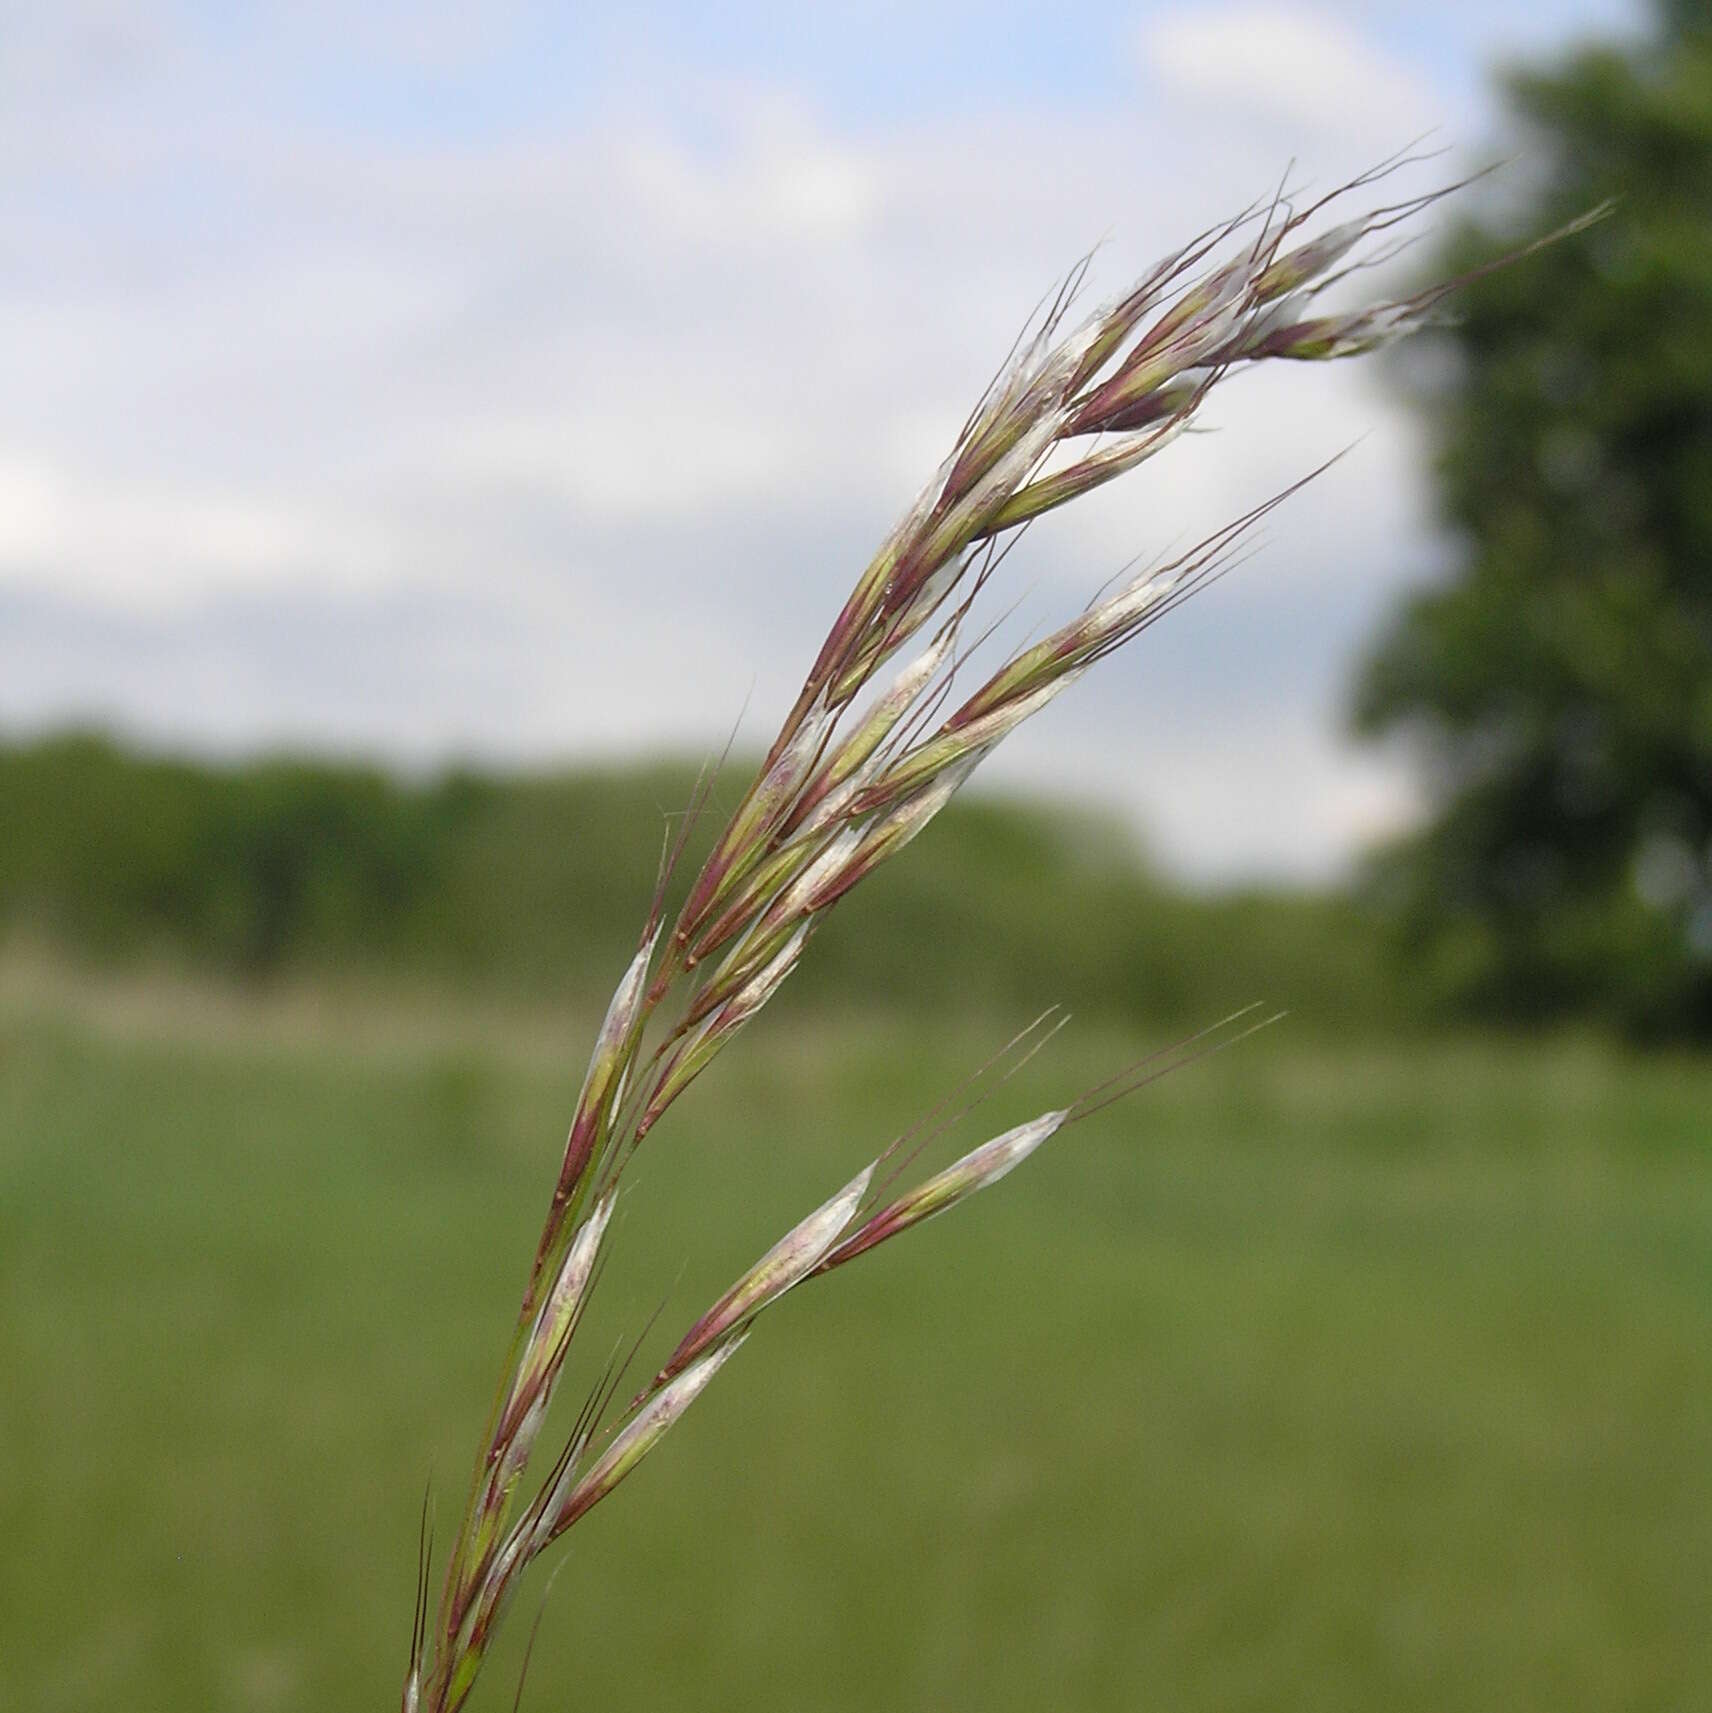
<point x="1262" y="792"/>
<point x="561" y="440"/>
<point x="1313" y="70"/>
<point x="145" y="545"/>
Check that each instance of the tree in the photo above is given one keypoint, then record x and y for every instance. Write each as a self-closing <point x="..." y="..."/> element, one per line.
<point x="1558" y="683"/>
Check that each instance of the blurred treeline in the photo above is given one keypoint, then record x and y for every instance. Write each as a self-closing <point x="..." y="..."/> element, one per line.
<point x="535" y="887"/>
<point x="1554" y="685"/>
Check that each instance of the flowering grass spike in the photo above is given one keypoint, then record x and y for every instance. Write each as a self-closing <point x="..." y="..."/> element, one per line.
<point x="866" y="757"/>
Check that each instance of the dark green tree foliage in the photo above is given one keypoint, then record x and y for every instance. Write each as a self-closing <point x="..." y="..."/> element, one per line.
<point x="1560" y="682"/>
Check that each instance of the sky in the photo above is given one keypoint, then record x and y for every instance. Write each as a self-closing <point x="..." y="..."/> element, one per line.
<point x="529" y="383"/>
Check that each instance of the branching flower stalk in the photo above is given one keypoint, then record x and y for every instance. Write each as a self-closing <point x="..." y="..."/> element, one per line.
<point x="857" y="770"/>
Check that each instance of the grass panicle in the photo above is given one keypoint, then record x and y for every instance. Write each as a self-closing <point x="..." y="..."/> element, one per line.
<point x="869" y="753"/>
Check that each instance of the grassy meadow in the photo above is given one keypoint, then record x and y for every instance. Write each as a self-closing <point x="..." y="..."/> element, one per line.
<point x="1345" y="1371"/>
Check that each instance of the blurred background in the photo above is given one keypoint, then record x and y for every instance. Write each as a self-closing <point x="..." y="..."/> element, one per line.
<point x="427" y="435"/>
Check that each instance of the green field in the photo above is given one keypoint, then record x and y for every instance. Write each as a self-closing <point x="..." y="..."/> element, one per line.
<point x="1331" y="1376"/>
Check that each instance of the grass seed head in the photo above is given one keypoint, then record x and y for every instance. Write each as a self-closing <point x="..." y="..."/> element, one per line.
<point x="833" y="800"/>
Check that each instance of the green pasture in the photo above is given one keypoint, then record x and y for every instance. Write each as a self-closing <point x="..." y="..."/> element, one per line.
<point x="1330" y="1376"/>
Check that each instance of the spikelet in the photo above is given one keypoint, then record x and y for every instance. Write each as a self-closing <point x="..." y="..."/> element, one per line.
<point x="977" y="1170"/>
<point x="630" y="1444"/>
<point x="787" y="1263"/>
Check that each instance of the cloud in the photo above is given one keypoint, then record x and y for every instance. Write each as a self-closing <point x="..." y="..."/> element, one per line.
<point x="1312" y="70"/>
<point x="145" y="543"/>
<point x="1244" y="801"/>
<point x="565" y="436"/>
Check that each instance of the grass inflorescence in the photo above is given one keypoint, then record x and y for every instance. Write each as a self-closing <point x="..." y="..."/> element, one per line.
<point x="869" y="753"/>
